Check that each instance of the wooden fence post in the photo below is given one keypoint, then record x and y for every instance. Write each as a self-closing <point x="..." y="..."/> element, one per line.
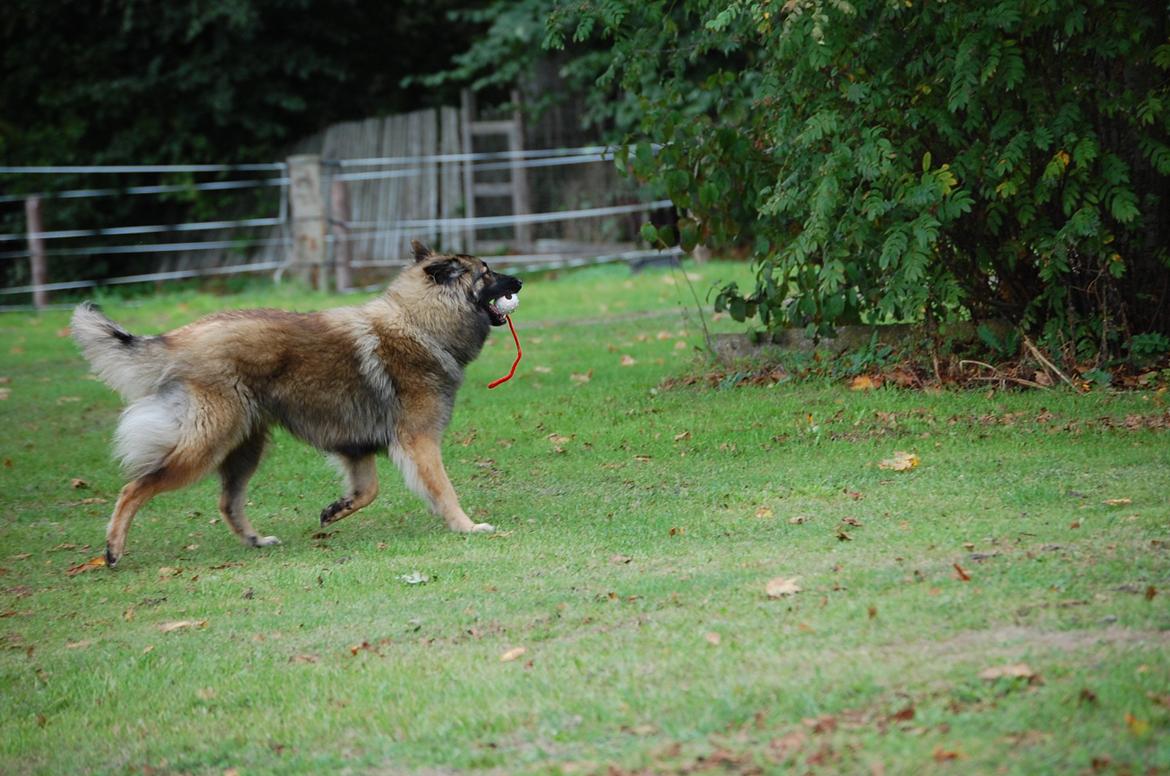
<point x="467" y="104"/>
<point x="36" y="251"/>
<point x="342" y="249"/>
<point x="519" y="175"/>
<point x="308" y="219"/>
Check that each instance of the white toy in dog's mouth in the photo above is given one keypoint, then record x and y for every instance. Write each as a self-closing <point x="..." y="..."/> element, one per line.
<point x="506" y="304"/>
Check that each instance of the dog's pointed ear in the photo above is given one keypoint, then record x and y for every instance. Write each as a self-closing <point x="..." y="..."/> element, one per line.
<point x="445" y="271"/>
<point x="420" y="251"/>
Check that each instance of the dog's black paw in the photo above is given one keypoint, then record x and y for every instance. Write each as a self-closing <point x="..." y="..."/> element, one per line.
<point x="330" y="513"/>
<point x="111" y="558"/>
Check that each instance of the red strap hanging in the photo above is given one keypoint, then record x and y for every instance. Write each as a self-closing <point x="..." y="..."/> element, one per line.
<point x="519" y="353"/>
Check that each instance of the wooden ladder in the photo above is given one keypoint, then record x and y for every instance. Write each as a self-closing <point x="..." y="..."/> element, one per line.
<point x="516" y="187"/>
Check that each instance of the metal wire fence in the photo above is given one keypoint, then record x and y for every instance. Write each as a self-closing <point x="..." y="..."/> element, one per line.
<point x="583" y="213"/>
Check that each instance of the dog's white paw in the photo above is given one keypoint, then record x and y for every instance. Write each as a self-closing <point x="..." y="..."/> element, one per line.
<point x="482" y="528"/>
<point x="265" y="541"/>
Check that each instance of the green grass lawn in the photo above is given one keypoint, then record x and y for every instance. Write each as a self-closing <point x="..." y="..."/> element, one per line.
<point x="637" y="531"/>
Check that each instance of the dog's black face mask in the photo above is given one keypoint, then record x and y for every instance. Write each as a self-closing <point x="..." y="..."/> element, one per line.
<point x="485" y="286"/>
<point x="495" y="286"/>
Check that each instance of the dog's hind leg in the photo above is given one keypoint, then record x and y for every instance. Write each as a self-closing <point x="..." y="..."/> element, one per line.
<point x="361" y="474"/>
<point x="170" y="476"/>
<point x="169" y="440"/>
<point x="421" y="463"/>
<point x="235" y="471"/>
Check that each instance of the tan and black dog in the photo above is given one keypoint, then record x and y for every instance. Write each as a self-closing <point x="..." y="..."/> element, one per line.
<point x="352" y="381"/>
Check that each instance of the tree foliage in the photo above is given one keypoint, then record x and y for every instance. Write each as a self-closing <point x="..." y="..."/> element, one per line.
<point x="128" y="81"/>
<point x="891" y="159"/>
<point x="133" y="82"/>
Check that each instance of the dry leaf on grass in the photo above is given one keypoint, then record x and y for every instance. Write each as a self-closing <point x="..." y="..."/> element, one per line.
<point x="89" y="565"/>
<point x="900" y="462"/>
<point x="628" y="361"/>
<point x="1117" y="502"/>
<point x="712" y="638"/>
<point x="781" y="587"/>
<point x="765" y="512"/>
<point x="512" y="654"/>
<point x="415" y="578"/>
<point x="581" y="377"/>
<point x="1139" y="727"/>
<point x="1012" y="671"/>
<point x="864" y="383"/>
<point x="78" y="484"/>
<point x="177" y="625"/>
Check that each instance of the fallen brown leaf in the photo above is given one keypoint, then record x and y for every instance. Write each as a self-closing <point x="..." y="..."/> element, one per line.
<point x="798" y="520"/>
<point x="961" y="574"/>
<point x="864" y="383"/>
<point x="765" y="512"/>
<point x="303" y="659"/>
<point x="905" y="715"/>
<point x="1013" y="671"/>
<point x="89" y="565"/>
<point x="1160" y="699"/>
<point x="581" y="377"/>
<point x="712" y="638"/>
<point x="1139" y="727"/>
<point x="943" y="755"/>
<point x="365" y="646"/>
<point x="826" y="723"/>
<point x="78" y="484"/>
<point x="780" y="587"/>
<point x="900" y="462"/>
<point x="79" y="644"/>
<point x="512" y="654"/>
<point x="1117" y="502"/>
<point x="628" y="360"/>
<point x="171" y="627"/>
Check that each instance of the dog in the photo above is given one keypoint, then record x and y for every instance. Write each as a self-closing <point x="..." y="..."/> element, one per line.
<point x="353" y="382"/>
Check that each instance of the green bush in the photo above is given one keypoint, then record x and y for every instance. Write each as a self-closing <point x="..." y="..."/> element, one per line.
<point x="902" y="160"/>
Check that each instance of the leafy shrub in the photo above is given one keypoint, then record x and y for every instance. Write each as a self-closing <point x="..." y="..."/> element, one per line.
<point x="889" y="160"/>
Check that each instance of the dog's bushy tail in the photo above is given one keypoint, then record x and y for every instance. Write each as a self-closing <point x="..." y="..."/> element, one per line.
<point x="133" y="366"/>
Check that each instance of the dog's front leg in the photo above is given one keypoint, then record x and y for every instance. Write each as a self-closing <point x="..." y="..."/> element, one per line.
<point x="361" y="476"/>
<point x="421" y="464"/>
